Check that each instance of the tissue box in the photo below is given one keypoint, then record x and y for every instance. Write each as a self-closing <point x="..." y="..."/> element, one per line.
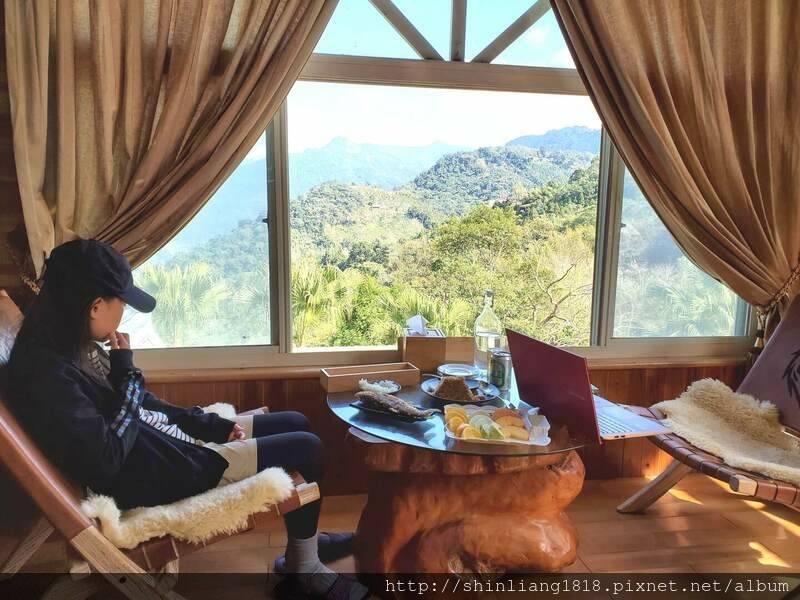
<point x="430" y="332"/>
<point x="429" y="352"/>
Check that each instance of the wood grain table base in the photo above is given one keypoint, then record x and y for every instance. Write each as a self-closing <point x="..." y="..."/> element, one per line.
<point x="437" y="512"/>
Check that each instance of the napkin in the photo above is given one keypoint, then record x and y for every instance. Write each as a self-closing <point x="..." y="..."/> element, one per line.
<point x="418" y="325"/>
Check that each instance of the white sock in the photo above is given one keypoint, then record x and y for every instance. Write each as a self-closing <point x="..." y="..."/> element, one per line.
<point x="303" y="561"/>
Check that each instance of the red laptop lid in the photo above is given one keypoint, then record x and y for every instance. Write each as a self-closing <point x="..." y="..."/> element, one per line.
<point x="557" y="382"/>
<point x="775" y="376"/>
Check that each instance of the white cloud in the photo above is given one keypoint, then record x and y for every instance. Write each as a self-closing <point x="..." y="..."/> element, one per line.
<point x="259" y="151"/>
<point x="563" y="58"/>
<point x="536" y="35"/>
<point x="406" y="116"/>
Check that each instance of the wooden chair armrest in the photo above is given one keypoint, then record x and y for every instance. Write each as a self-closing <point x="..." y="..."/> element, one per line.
<point x="302" y="494"/>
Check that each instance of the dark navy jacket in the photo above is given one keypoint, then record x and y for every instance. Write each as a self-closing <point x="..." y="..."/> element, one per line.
<point x="90" y="428"/>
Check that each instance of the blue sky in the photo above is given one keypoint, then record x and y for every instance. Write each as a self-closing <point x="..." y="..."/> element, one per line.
<point x="318" y="112"/>
<point x="358" y="28"/>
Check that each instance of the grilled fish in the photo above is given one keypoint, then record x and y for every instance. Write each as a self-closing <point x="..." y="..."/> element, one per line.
<point x="387" y="402"/>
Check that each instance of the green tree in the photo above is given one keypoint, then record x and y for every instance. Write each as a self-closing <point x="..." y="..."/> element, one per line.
<point x="187" y="297"/>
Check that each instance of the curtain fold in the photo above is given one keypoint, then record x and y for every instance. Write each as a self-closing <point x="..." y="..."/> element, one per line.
<point x="128" y="115"/>
<point x="702" y="100"/>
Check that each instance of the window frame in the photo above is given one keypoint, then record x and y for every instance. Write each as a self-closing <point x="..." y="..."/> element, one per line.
<point x="603" y="348"/>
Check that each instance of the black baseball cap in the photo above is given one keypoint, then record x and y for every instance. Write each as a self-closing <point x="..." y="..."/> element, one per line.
<point x="89" y="267"/>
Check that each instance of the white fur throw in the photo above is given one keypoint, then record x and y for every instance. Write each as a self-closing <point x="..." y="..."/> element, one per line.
<point x="738" y="428"/>
<point x="222" y="510"/>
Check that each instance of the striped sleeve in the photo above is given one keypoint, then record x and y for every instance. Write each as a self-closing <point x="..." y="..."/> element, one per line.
<point x="132" y="400"/>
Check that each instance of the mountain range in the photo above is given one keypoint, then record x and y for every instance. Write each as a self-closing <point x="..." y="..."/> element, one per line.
<point x="449" y="178"/>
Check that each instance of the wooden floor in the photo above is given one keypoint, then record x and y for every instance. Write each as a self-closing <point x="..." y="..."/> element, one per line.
<point x="698" y="527"/>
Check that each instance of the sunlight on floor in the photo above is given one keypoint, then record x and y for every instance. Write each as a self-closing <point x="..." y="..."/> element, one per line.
<point x="792" y="528"/>
<point x="684" y="495"/>
<point x="768" y="557"/>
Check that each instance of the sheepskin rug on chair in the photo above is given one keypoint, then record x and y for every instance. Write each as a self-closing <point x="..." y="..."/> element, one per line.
<point x="222" y="510"/>
<point x="738" y="428"/>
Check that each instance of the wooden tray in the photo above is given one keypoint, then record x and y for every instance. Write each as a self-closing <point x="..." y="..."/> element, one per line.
<point x="345" y="379"/>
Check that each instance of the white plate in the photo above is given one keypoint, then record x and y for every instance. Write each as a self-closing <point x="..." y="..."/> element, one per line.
<point x="531" y="442"/>
<point x="490" y="392"/>
<point x="458" y="370"/>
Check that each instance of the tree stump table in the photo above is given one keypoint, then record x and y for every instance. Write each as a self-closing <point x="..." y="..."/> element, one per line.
<point x="441" y="512"/>
<point x="437" y="505"/>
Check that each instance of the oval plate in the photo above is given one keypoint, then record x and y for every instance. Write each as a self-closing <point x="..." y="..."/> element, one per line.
<point x="489" y="391"/>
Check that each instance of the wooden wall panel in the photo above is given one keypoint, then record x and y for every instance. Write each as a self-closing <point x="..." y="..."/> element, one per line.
<point x="622" y="458"/>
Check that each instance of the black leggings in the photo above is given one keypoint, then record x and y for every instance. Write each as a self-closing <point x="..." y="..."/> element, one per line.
<point x="284" y="441"/>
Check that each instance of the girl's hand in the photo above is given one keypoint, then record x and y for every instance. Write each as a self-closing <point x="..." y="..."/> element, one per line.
<point x="237" y="433"/>
<point x="119" y="340"/>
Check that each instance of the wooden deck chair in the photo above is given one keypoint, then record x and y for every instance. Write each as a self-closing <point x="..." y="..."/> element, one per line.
<point x="147" y="571"/>
<point x="774" y="377"/>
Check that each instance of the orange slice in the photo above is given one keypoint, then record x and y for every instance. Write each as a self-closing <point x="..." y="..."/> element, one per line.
<point x="468" y="432"/>
<point x="454" y="421"/>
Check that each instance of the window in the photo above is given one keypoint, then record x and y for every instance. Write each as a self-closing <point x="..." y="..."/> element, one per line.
<point x="398" y="208"/>
<point x="212" y="280"/>
<point x="660" y="293"/>
<point x="396" y="186"/>
<point x="542" y="45"/>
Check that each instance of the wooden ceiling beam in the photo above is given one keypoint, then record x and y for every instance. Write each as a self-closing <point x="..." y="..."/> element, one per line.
<point x="458" y="29"/>
<point x="406" y="29"/>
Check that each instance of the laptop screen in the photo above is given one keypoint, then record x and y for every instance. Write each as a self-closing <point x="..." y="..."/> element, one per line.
<point x="775" y="376"/>
<point x="557" y="382"/>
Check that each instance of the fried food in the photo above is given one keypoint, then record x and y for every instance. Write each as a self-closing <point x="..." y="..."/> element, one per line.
<point x="454" y="388"/>
<point x="393" y="404"/>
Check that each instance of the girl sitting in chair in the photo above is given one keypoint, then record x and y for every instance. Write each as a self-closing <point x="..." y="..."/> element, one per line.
<point x="90" y="413"/>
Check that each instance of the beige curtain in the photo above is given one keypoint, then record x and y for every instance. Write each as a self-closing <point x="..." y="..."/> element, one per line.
<point x="702" y="99"/>
<point x="128" y="114"/>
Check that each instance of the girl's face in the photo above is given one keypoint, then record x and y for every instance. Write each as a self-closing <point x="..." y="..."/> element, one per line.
<point x="105" y="316"/>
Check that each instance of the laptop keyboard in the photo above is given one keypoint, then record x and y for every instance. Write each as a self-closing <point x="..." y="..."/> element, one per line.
<point x="610" y="426"/>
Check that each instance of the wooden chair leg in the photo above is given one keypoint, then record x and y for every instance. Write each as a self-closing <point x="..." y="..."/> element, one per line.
<point x="167" y="577"/>
<point x="642" y="499"/>
<point x="119" y="570"/>
<point x="67" y="588"/>
<point x="30" y="542"/>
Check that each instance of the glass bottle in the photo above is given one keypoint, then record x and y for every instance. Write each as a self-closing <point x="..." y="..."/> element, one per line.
<point x="488" y="333"/>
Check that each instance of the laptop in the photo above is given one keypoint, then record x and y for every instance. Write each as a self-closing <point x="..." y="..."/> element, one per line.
<point x="557" y="382"/>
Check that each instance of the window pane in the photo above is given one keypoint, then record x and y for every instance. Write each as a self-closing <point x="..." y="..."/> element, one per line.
<point x="356" y="28"/>
<point x="541" y="46"/>
<point x="211" y="280"/>
<point x="432" y="20"/>
<point x="408" y="200"/>
<point x="659" y="291"/>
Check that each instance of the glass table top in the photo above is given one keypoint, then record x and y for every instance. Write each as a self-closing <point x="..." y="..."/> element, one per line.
<point x="430" y="434"/>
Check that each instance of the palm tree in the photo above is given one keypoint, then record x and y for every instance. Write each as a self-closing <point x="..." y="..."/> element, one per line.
<point x="321" y="293"/>
<point x="186" y="296"/>
<point x="399" y="303"/>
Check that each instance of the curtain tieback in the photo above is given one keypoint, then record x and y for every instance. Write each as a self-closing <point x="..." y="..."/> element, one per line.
<point x="23" y="275"/>
<point x="764" y="310"/>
